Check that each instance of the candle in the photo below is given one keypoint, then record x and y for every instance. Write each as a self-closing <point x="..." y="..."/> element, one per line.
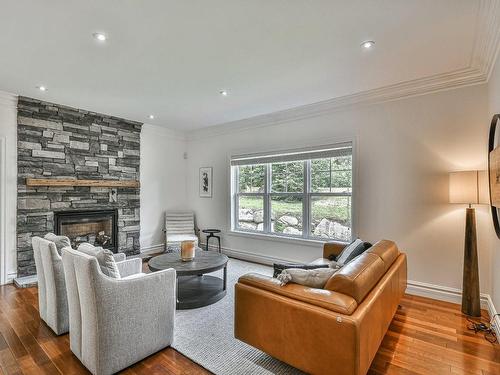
<point x="187" y="251"/>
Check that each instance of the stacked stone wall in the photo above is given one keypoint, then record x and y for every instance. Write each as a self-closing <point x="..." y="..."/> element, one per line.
<point x="56" y="141"/>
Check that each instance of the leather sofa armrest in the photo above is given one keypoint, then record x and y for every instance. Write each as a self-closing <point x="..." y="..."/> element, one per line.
<point x="326" y="299"/>
<point x="333" y="248"/>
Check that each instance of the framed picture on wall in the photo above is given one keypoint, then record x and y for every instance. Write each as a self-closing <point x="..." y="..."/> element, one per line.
<point x="494" y="171"/>
<point x="206" y="182"/>
<point x="495" y="177"/>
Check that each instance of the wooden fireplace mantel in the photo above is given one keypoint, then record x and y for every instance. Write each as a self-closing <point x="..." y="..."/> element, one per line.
<point x="72" y="182"/>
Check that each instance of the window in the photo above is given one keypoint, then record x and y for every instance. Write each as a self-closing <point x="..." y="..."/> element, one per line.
<point x="298" y="194"/>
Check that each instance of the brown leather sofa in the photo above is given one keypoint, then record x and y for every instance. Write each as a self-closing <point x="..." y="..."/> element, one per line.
<point x="336" y="330"/>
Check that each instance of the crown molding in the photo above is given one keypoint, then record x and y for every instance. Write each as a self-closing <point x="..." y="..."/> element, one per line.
<point x="421" y="86"/>
<point x="163" y="131"/>
<point x="482" y="61"/>
<point x="8" y="100"/>
<point x="487" y="39"/>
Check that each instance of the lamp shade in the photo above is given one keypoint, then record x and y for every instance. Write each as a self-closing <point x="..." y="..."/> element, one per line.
<point x="468" y="187"/>
<point x="484" y="187"/>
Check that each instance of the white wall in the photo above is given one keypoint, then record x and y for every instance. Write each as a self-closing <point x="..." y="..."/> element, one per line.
<point x="8" y="186"/>
<point x="494" y="107"/>
<point x="163" y="180"/>
<point x="405" y="150"/>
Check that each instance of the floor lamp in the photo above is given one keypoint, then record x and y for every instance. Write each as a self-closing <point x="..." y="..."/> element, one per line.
<point x="468" y="187"/>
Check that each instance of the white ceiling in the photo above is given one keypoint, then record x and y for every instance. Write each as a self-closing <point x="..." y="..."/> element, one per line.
<point x="171" y="58"/>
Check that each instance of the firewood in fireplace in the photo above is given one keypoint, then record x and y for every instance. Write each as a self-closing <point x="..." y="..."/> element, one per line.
<point x="102" y="238"/>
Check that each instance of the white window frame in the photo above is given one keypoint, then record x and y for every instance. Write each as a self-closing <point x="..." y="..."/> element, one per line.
<point x="306" y="194"/>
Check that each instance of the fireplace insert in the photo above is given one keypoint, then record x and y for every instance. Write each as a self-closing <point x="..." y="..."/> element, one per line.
<point x="97" y="227"/>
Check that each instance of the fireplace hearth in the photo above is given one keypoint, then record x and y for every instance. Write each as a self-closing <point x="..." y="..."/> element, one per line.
<point x="97" y="227"/>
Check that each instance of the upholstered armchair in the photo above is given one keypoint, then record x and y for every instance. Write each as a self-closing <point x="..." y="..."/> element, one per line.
<point x="117" y="322"/>
<point x="52" y="300"/>
<point x="180" y="226"/>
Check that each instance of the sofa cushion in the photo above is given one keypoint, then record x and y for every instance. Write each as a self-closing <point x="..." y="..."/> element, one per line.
<point x="320" y="297"/>
<point x="59" y="241"/>
<point x="358" y="277"/>
<point x="387" y="251"/>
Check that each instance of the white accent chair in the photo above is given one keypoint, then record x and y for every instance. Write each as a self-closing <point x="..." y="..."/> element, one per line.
<point x="52" y="299"/>
<point x="180" y="226"/>
<point x="115" y="323"/>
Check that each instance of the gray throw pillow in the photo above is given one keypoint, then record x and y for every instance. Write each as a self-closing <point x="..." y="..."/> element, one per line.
<point x="351" y="251"/>
<point x="316" y="278"/>
<point x="59" y="241"/>
<point x="89" y="249"/>
<point x="104" y="258"/>
<point x="108" y="263"/>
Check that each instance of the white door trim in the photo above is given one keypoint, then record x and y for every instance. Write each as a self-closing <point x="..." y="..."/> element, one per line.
<point x="3" y="216"/>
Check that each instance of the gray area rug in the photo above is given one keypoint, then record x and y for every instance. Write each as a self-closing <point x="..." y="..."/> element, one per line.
<point x="205" y="335"/>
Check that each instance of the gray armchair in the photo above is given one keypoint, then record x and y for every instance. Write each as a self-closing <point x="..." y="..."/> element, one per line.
<point x="52" y="301"/>
<point x="117" y="322"/>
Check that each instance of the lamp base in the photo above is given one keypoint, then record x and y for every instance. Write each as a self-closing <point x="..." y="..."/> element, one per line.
<point x="471" y="303"/>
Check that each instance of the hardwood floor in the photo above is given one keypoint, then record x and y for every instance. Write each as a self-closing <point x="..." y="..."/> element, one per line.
<point x="425" y="337"/>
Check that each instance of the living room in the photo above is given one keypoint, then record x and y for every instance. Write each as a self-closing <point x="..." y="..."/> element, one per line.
<point x="338" y="157"/>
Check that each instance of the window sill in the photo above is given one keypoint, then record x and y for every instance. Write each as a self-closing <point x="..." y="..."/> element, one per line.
<point x="270" y="237"/>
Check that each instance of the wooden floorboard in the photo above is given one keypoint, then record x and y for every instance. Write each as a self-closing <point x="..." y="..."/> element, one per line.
<point x="425" y="337"/>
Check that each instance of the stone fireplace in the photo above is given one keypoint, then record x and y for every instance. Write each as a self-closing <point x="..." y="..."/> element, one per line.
<point x="60" y="143"/>
<point x="97" y="227"/>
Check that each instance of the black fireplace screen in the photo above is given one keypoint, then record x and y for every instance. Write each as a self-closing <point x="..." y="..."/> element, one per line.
<point x="98" y="227"/>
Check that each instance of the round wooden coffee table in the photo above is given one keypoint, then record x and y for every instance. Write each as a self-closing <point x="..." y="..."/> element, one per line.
<point x="194" y="288"/>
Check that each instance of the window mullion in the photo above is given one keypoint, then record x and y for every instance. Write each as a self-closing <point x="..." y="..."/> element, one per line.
<point x="267" y="203"/>
<point x="306" y="212"/>
<point x="330" y="175"/>
<point x="285" y="178"/>
<point x="236" y="186"/>
<point x="236" y="210"/>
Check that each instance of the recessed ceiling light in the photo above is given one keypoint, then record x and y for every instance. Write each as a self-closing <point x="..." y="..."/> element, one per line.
<point x="42" y="88"/>
<point x="101" y="37"/>
<point x="223" y="93"/>
<point x="368" y="44"/>
<point x="151" y="117"/>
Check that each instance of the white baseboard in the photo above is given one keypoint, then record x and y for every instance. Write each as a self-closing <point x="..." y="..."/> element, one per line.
<point x="442" y="293"/>
<point x="10" y="278"/>
<point x="453" y="295"/>
<point x="250" y="257"/>
<point x="153" y="248"/>
<point x="495" y="320"/>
